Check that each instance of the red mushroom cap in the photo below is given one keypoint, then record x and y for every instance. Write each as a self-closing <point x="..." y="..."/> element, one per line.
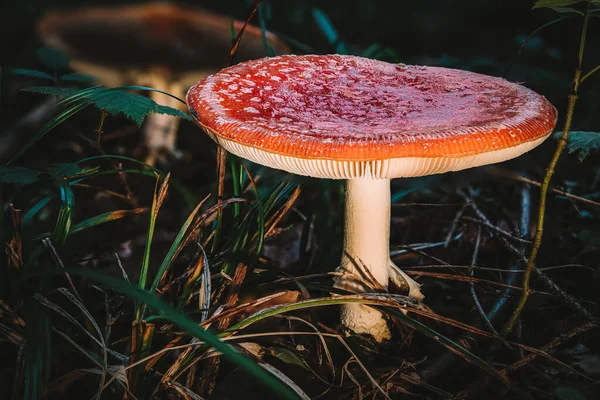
<point x="343" y="116"/>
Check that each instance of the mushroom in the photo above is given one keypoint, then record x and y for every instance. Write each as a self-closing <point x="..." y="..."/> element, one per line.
<point x="160" y="45"/>
<point x="366" y="121"/>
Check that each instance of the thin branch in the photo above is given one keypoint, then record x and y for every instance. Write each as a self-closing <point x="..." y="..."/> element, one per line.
<point x="562" y="143"/>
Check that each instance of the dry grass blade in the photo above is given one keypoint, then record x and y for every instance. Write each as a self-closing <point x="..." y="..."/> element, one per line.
<point x="14" y="248"/>
<point x="176" y="247"/>
<point x="196" y="271"/>
<point x="93" y="360"/>
<point x="323" y="343"/>
<point x="276" y="218"/>
<point x="463" y="278"/>
<point x="285" y="379"/>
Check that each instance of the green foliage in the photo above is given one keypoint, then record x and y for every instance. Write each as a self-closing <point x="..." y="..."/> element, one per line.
<point x="113" y="100"/>
<point x="329" y="31"/>
<point x="65" y="214"/>
<point x="190" y="326"/>
<point x="38" y="345"/>
<point x="30" y="72"/>
<point x="582" y="142"/>
<point x="20" y="175"/>
<point x="568" y="393"/>
<point x="69" y="77"/>
<point x="556" y="3"/>
<point x="27" y="176"/>
<point x="53" y="58"/>
<point x="99" y="220"/>
<point x="75" y="77"/>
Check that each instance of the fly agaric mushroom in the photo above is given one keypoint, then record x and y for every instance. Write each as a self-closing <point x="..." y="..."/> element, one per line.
<point x="366" y="121"/>
<point x="163" y="46"/>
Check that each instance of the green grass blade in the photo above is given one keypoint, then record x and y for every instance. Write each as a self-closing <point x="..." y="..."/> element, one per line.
<point x="53" y="123"/>
<point x="99" y="220"/>
<point x="261" y="214"/>
<point x="175" y="248"/>
<point x="236" y="173"/>
<point x="37" y="349"/>
<point x="65" y="215"/>
<point x="191" y="327"/>
<point x="375" y="300"/>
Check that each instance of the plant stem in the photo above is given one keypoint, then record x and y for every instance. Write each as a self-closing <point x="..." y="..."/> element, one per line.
<point x="562" y="143"/>
<point x="99" y="131"/>
<point x="221" y="169"/>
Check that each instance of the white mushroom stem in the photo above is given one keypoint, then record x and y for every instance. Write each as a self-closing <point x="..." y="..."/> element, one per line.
<point x="366" y="244"/>
<point x="160" y="130"/>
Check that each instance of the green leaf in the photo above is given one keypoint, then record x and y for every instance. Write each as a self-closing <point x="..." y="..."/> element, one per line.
<point x="54" y="122"/>
<point x="38" y="345"/>
<point x="99" y="220"/>
<point x="53" y="58"/>
<point x="568" y="393"/>
<point x="191" y="327"/>
<point x="75" y="77"/>
<point x="176" y="247"/>
<point x="63" y="222"/>
<point x="114" y="100"/>
<point x="20" y="175"/>
<point x="134" y="106"/>
<point x="288" y="357"/>
<point x="160" y="109"/>
<point x="581" y="142"/>
<point x="64" y="170"/>
<point x="556" y="3"/>
<point x="329" y="31"/>
<point x="30" y="72"/>
<point x="56" y="91"/>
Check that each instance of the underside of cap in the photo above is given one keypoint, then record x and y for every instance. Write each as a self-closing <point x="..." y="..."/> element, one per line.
<point x="403" y="167"/>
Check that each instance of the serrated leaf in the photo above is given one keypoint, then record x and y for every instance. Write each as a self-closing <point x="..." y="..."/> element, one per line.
<point x="30" y="72"/>
<point x="567" y="10"/>
<point x="557" y="3"/>
<point x="113" y="100"/>
<point x="55" y="91"/>
<point x="75" y="77"/>
<point x="160" y="109"/>
<point x="53" y="58"/>
<point x="134" y="106"/>
<point x="582" y="142"/>
<point x="20" y="175"/>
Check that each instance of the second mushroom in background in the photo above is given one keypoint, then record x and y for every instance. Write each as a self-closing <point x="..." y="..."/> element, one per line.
<point x="160" y="45"/>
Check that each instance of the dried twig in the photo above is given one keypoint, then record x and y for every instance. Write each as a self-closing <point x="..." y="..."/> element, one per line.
<point x="562" y="143"/>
